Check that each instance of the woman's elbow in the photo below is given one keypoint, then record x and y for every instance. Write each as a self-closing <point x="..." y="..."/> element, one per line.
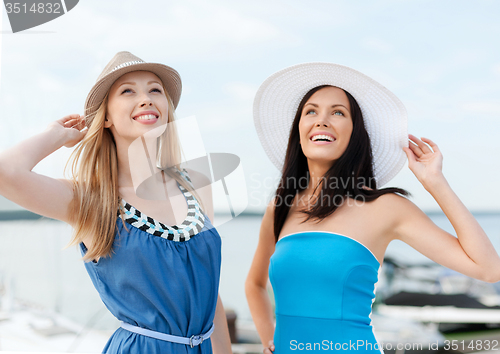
<point x="491" y="276"/>
<point x="251" y="287"/>
<point x="249" y="284"/>
<point x="8" y="178"/>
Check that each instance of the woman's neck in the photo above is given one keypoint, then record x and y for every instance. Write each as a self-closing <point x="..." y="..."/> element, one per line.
<point x="137" y="167"/>
<point x="317" y="173"/>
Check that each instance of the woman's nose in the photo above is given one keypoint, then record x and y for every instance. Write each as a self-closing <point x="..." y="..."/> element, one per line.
<point x="146" y="101"/>
<point x="321" y="121"/>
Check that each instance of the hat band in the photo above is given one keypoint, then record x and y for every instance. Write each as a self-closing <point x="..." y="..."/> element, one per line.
<point x="127" y="64"/>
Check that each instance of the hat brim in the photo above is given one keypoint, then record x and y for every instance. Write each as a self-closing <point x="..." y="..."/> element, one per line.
<point x="169" y="77"/>
<point x="384" y="115"/>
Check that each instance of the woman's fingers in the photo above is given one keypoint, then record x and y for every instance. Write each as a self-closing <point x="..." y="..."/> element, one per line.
<point x="432" y="144"/>
<point x="422" y="145"/>
<point x="70" y="123"/>
<point x="270" y="348"/>
<point x="412" y="158"/>
<point x="415" y="148"/>
<point x="69" y="117"/>
<point x="409" y="154"/>
<point x="81" y="123"/>
<point x="76" y="121"/>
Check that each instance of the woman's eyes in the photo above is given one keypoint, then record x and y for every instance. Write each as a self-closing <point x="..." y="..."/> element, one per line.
<point x="130" y="90"/>
<point x="335" y="112"/>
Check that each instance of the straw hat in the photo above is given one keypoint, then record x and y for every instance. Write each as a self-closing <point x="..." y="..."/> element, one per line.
<point x="384" y="115"/>
<point x="123" y="63"/>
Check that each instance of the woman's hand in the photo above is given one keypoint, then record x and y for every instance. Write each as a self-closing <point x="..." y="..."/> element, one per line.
<point x="425" y="163"/>
<point x="270" y="348"/>
<point x="72" y="127"/>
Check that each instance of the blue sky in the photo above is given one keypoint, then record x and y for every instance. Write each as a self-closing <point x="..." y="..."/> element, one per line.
<point x="442" y="59"/>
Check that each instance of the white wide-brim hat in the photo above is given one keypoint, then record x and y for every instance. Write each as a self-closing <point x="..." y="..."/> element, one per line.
<point x="384" y="115"/>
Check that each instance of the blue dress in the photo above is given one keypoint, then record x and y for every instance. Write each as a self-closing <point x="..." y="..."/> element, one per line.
<point x="162" y="278"/>
<point x="324" y="288"/>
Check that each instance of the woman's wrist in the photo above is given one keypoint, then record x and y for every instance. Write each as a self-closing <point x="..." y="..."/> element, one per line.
<point x="57" y="135"/>
<point x="435" y="183"/>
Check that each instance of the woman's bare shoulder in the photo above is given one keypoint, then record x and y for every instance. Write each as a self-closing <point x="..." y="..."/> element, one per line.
<point x="393" y="198"/>
<point x="396" y="201"/>
<point x="391" y="210"/>
<point x="271" y="206"/>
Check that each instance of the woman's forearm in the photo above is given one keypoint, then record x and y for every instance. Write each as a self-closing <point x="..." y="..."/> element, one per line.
<point x="28" y="153"/>
<point x="66" y="131"/>
<point x="262" y="312"/>
<point x="221" y="342"/>
<point x="40" y="194"/>
<point x="471" y="236"/>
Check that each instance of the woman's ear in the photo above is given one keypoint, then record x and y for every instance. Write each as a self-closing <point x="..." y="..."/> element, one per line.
<point x="107" y="123"/>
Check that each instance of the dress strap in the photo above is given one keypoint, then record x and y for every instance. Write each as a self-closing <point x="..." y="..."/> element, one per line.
<point x="192" y="341"/>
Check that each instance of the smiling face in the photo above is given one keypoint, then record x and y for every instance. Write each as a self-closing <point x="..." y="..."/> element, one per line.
<point x="137" y="103"/>
<point x="325" y="125"/>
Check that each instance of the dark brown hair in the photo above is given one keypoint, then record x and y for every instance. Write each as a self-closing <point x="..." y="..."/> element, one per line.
<point x="354" y="169"/>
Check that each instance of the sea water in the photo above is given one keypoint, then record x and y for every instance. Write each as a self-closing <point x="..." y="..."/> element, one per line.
<point x="36" y="269"/>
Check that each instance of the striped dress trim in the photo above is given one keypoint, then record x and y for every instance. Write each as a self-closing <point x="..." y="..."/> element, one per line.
<point x="194" y="222"/>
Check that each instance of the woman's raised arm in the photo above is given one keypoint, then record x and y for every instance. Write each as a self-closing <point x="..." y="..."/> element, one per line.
<point x="38" y="193"/>
<point x="471" y="252"/>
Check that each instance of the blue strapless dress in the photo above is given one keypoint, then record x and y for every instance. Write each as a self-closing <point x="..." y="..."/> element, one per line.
<point x="324" y="288"/>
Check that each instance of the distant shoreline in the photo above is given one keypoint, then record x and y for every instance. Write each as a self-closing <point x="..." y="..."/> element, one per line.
<point x="22" y="214"/>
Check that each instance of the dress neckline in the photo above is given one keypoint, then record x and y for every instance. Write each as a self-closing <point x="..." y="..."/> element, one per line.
<point x="330" y="233"/>
<point x="192" y="224"/>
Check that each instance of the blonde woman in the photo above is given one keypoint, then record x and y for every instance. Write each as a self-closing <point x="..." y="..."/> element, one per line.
<point x="145" y="234"/>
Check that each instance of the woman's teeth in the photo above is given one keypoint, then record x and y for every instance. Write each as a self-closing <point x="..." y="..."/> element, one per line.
<point x="146" y="117"/>
<point x="322" y="137"/>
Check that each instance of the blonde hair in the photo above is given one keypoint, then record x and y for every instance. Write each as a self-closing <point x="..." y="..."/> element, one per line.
<point x="94" y="166"/>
